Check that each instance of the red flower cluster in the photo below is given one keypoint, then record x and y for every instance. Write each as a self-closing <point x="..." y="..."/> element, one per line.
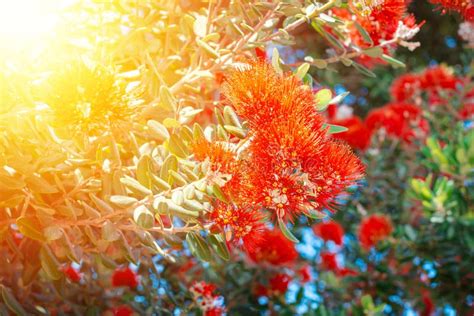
<point x="400" y="120"/>
<point x="305" y="274"/>
<point x="464" y="7"/>
<point x="205" y="298"/>
<point x="383" y="20"/>
<point x="122" y="310"/>
<point x="242" y="220"/>
<point x="379" y="18"/>
<point x="329" y="262"/>
<point x="357" y="135"/>
<point x="330" y="231"/>
<point x="294" y="166"/>
<point x="408" y="87"/>
<point x="72" y="274"/>
<point x="125" y="277"/>
<point x="289" y="166"/>
<point x="277" y="285"/>
<point x="373" y="229"/>
<point x="439" y="84"/>
<point x="273" y="248"/>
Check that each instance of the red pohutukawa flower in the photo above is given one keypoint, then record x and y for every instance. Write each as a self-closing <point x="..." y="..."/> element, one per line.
<point x="206" y="299"/>
<point x="405" y="87"/>
<point x="122" y="310"/>
<point x="357" y="135"/>
<point x="273" y="248"/>
<point x="125" y="277"/>
<point x="381" y="17"/>
<point x="305" y="274"/>
<point x="243" y="225"/>
<point x="373" y="229"/>
<point x="330" y="231"/>
<point x="72" y="274"/>
<point x="464" y="7"/>
<point x="294" y="165"/>
<point x="226" y="170"/>
<point x="279" y="283"/>
<point x="400" y="120"/>
<point x="329" y="261"/>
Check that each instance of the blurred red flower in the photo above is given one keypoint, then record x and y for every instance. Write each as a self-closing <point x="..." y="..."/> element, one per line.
<point x="357" y="136"/>
<point x="125" y="277"/>
<point x="404" y="87"/>
<point x="329" y="230"/>
<point x="122" y="310"/>
<point x="273" y="248"/>
<point x="464" y="7"/>
<point x="429" y="306"/>
<point x="305" y="274"/>
<point x="400" y="120"/>
<point x="343" y="272"/>
<point x="215" y="311"/>
<point x="278" y="284"/>
<point x="207" y="301"/>
<point x="329" y="261"/>
<point x="373" y="229"/>
<point x="72" y="274"/>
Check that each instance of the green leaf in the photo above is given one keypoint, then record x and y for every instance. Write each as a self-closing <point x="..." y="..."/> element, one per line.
<point x="122" y="201"/>
<point x="219" y="245"/>
<point x="159" y="183"/>
<point x="49" y="263"/>
<point x="53" y="233"/>
<point x="181" y="211"/>
<point x="323" y="98"/>
<point x="392" y="61"/>
<point x="410" y="232"/>
<point x="216" y="190"/>
<point x="135" y="186"/>
<point x="170" y="163"/>
<point x="374" y="51"/>
<point x="235" y="131"/>
<point x="276" y="61"/>
<point x="198" y="246"/>
<point x="302" y="70"/>
<point x="230" y="117"/>
<point x="338" y="99"/>
<point x="29" y="227"/>
<point x="39" y="185"/>
<point x="363" y="70"/>
<point x="334" y="129"/>
<point x="11" y="301"/>
<point x="320" y="63"/>
<point x="207" y="48"/>
<point x="158" y="130"/>
<point x="168" y="102"/>
<point x="364" y="33"/>
<point x="286" y="232"/>
<point x="144" y="171"/>
<point x="177" y="147"/>
<point x="143" y="217"/>
<point x="367" y="302"/>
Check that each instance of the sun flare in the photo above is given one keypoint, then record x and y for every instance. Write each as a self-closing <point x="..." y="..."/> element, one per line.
<point x="27" y="21"/>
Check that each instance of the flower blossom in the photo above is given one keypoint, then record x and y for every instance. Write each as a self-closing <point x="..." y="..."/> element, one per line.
<point x="210" y="303"/>
<point x="330" y="230"/>
<point x="294" y="165"/>
<point x="273" y="248"/>
<point x="125" y="277"/>
<point x="374" y="229"/>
